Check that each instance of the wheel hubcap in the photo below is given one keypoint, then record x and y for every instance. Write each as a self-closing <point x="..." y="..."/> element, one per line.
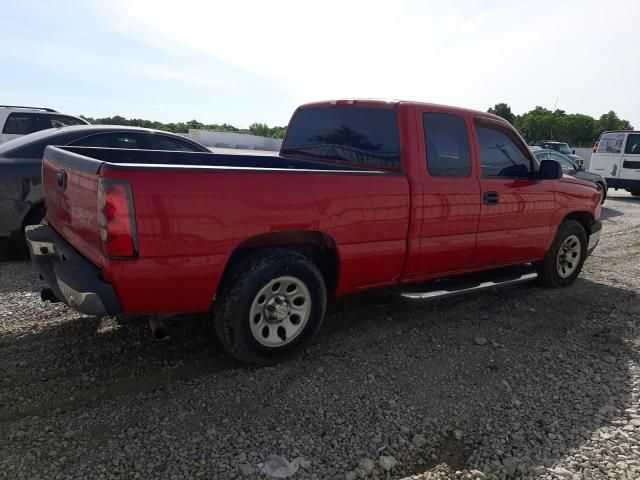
<point x="568" y="256"/>
<point x="280" y="311"/>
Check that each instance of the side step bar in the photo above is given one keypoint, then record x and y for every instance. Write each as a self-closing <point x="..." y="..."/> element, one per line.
<point x="461" y="288"/>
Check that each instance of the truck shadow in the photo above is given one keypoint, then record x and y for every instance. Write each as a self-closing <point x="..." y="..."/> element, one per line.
<point x="553" y="369"/>
<point x="608" y="212"/>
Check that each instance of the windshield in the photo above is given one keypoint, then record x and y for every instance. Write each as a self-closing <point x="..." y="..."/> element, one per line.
<point x="561" y="147"/>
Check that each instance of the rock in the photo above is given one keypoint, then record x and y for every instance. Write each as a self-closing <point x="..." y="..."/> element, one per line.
<point x="635" y="422"/>
<point x="562" y="472"/>
<point x="418" y="441"/>
<point x="387" y="462"/>
<point x="457" y="434"/>
<point x="477" y="474"/>
<point x="367" y="465"/>
<point x="360" y="472"/>
<point x="319" y="370"/>
<point x="246" y="469"/>
<point x="480" y="341"/>
<point x="537" y="470"/>
<point x="350" y="476"/>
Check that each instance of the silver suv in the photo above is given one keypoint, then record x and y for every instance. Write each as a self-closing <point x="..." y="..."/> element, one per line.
<point x="16" y="121"/>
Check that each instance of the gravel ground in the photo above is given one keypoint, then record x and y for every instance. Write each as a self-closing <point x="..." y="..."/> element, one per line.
<point x="521" y="382"/>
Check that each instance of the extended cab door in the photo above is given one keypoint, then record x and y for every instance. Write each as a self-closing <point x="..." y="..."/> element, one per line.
<point x="516" y="209"/>
<point x="448" y="218"/>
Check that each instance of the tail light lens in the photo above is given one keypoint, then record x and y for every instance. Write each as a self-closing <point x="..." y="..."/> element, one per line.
<point x="595" y="148"/>
<point x="116" y="219"/>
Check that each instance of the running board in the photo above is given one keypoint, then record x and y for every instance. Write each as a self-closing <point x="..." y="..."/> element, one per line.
<point x="461" y="288"/>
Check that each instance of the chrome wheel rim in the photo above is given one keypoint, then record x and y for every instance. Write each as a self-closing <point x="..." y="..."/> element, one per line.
<point x="280" y="311"/>
<point x="568" y="256"/>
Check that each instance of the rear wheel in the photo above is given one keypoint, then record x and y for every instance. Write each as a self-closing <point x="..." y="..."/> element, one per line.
<point x="564" y="260"/>
<point x="635" y="193"/>
<point x="271" y="309"/>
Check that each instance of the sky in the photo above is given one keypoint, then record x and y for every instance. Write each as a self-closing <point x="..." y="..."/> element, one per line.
<point x="241" y="62"/>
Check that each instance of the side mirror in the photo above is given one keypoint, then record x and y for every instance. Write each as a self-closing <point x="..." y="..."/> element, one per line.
<point x="550" y="170"/>
<point x="573" y="152"/>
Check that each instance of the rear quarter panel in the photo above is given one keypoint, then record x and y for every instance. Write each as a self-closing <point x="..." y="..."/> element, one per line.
<point x="189" y="222"/>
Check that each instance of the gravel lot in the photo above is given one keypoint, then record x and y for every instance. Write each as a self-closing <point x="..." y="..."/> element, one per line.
<point x="522" y="382"/>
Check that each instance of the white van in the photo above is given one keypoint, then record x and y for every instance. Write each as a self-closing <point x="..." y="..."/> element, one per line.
<point x="616" y="156"/>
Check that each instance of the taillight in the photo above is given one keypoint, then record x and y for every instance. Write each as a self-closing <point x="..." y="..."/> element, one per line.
<point x="116" y="218"/>
<point x="595" y="147"/>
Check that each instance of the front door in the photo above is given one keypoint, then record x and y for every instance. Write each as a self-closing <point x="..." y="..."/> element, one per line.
<point x="517" y="209"/>
<point x="631" y="159"/>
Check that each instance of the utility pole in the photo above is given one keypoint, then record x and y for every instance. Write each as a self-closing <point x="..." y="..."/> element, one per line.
<point x="555" y="107"/>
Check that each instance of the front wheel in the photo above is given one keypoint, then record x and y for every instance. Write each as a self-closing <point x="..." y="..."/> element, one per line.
<point x="635" y="193"/>
<point x="603" y="192"/>
<point x="564" y="260"/>
<point x="271" y="309"/>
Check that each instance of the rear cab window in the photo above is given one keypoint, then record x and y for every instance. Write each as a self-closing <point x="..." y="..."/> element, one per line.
<point x="363" y="136"/>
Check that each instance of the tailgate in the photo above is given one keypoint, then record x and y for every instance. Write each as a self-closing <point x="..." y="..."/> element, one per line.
<point x="70" y="185"/>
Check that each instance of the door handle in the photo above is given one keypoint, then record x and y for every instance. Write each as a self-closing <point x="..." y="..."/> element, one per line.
<point x="491" y="198"/>
<point x="61" y="177"/>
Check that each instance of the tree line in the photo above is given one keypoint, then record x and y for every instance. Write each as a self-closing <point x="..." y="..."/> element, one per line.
<point x="261" y="129"/>
<point x="576" y="129"/>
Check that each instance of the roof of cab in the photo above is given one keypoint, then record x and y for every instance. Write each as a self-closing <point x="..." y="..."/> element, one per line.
<point x="393" y="103"/>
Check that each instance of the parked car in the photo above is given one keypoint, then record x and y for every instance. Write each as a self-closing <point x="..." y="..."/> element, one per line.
<point x="364" y="194"/>
<point x="563" y="148"/>
<point x="616" y="156"/>
<point x="18" y="121"/>
<point x="21" y="199"/>
<point x="570" y="168"/>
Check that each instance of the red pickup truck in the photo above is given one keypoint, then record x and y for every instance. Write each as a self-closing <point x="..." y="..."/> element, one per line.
<point x="364" y="194"/>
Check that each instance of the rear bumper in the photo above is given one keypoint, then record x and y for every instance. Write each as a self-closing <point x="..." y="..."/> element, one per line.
<point x="595" y="227"/>
<point x="73" y="279"/>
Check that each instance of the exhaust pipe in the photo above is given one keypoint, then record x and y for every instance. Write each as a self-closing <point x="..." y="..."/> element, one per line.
<point x="158" y="330"/>
<point x="47" y="295"/>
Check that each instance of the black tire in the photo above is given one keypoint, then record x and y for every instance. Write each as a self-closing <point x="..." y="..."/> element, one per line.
<point x="234" y="301"/>
<point x="635" y="193"/>
<point x="549" y="271"/>
<point x="602" y="189"/>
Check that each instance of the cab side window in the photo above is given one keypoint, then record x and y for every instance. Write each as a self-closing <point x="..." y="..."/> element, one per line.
<point x="24" y="123"/>
<point x="502" y="154"/>
<point x="633" y="144"/>
<point x="112" y="140"/>
<point x="447" y="145"/>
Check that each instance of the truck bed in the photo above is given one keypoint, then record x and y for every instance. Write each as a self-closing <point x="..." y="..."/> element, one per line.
<point x="192" y="210"/>
<point x="89" y="159"/>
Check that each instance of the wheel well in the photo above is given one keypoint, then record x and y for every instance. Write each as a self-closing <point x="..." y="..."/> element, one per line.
<point x="319" y="247"/>
<point x="33" y="215"/>
<point x="583" y="218"/>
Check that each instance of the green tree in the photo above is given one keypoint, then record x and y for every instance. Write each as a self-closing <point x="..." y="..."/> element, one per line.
<point x="611" y="121"/>
<point x="503" y="110"/>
